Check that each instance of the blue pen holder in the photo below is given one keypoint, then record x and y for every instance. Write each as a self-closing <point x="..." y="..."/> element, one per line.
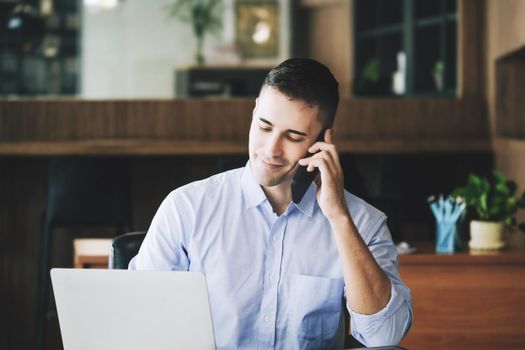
<point x="449" y="213"/>
<point x="447" y="237"/>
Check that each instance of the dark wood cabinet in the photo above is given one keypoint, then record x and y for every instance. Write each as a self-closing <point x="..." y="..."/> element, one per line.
<point x="466" y="300"/>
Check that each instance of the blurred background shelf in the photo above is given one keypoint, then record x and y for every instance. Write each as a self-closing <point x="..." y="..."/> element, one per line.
<point x="167" y="147"/>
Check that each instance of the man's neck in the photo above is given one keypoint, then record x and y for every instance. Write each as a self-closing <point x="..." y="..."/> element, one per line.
<point x="279" y="197"/>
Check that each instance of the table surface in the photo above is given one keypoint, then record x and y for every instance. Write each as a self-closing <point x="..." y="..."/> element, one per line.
<point x="426" y="254"/>
<point x="390" y="347"/>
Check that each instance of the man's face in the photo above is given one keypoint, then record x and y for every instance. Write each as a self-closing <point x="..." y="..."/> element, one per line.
<point x="281" y="132"/>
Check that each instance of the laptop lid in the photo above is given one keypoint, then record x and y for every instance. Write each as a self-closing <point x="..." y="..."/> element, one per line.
<point x="121" y="309"/>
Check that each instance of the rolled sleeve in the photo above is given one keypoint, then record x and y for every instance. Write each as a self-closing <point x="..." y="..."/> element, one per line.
<point x="387" y="326"/>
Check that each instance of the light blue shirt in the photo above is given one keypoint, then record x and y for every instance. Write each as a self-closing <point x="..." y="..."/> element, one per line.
<point x="273" y="282"/>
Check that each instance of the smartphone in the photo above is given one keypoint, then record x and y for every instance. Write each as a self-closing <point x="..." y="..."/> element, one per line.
<point x="302" y="178"/>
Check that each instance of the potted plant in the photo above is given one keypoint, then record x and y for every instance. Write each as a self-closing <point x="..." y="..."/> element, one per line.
<point x="495" y="204"/>
<point x="205" y="16"/>
<point x="439" y="75"/>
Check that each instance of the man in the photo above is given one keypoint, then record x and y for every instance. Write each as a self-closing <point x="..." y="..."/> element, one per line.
<point x="279" y="273"/>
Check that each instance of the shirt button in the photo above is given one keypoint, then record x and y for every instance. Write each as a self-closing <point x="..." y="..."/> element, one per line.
<point x="274" y="237"/>
<point x="267" y="318"/>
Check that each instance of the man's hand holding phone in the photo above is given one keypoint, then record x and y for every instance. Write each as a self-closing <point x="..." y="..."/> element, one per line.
<point x="330" y="180"/>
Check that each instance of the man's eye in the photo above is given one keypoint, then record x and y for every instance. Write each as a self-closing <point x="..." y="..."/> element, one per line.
<point x="294" y="140"/>
<point x="264" y="129"/>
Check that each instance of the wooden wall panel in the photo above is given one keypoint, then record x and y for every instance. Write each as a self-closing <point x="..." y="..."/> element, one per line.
<point x="331" y="39"/>
<point x="189" y="119"/>
<point x="471" y="30"/>
<point x="384" y="119"/>
<point x="22" y="195"/>
<point x="510" y="95"/>
<point x="221" y="126"/>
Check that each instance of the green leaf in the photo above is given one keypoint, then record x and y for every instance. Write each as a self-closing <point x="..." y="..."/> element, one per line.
<point x="485" y="185"/>
<point x="371" y="70"/>
<point x="512" y="186"/>
<point x="509" y="221"/>
<point x="203" y="15"/>
<point x="492" y="200"/>
<point x="483" y="206"/>
<point x="498" y="176"/>
<point x="511" y="205"/>
<point x="521" y="202"/>
<point x="501" y="187"/>
<point x="495" y="210"/>
<point x="474" y="181"/>
<point x="457" y="192"/>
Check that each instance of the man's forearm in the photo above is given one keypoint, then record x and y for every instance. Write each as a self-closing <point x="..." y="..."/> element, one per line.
<point x="367" y="286"/>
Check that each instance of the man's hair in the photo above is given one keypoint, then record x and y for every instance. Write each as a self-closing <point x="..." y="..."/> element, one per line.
<point x="309" y="81"/>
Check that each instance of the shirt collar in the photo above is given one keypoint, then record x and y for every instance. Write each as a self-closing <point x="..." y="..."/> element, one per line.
<point x="252" y="191"/>
<point x="254" y="195"/>
<point x="307" y="203"/>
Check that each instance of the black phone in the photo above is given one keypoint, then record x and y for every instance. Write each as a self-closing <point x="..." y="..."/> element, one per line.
<point x="302" y="178"/>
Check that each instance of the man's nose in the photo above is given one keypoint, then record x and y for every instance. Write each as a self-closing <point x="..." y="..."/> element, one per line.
<point x="274" y="147"/>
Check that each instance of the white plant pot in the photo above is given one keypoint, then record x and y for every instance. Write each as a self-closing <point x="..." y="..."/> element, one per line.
<point x="486" y="235"/>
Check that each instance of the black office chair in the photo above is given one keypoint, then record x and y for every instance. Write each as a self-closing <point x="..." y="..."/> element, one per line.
<point x="124" y="248"/>
<point x="83" y="192"/>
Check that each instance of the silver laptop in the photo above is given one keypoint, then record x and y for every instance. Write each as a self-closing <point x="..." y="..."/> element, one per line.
<point x="121" y="309"/>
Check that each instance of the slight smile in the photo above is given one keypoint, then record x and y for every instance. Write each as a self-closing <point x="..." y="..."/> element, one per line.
<point x="271" y="166"/>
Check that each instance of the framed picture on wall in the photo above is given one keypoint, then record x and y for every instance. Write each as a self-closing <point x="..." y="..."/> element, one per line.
<point x="257" y="28"/>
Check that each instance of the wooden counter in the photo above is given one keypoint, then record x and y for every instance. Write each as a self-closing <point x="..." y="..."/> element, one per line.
<point x="466" y="300"/>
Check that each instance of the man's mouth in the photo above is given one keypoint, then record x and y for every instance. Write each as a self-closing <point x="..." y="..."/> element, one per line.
<point x="271" y="166"/>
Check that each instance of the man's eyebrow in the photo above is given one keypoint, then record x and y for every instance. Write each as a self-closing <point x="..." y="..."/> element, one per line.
<point x="289" y="130"/>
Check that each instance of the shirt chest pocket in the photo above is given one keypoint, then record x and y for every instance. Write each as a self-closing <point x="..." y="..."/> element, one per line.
<point x="316" y="309"/>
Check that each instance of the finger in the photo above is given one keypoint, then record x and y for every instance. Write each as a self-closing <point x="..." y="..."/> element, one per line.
<point x="320" y="163"/>
<point x="325" y="177"/>
<point x="328" y="147"/>
<point x="304" y="161"/>
<point x="321" y="146"/>
<point x="328" y="171"/>
<point x="328" y="135"/>
<point x="330" y="164"/>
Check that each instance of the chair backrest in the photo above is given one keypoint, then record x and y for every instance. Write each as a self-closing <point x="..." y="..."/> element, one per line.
<point x="124" y="248"/>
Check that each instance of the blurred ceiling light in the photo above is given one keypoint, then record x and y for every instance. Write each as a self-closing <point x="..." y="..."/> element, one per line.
<point x="46" y="7"/>
<point x="101" y="5"/>
<point x="262" y="32"/>
<point x="263" y="29"/>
